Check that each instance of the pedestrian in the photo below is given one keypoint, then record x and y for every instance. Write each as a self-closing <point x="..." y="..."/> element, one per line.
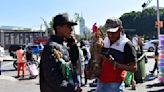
<point x="86" y="53"/>
<point x="80" y="64"/>
<point x="20" y="61"/>
<point x="54" y="73"/>
<point x="29" y="54"/>
<point x="2" y="51"/>
<point x="95" y="50"/>
<point x="138" y="44"/>
<point x="29" y="59"/>
<point x="135" y="42"/>
<point x="118" y="57"/>
<point x="156" y="58"/>
<point x="74" y="57"/>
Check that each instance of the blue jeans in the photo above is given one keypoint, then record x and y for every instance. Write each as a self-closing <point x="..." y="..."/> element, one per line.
<point x="110" y="87"/>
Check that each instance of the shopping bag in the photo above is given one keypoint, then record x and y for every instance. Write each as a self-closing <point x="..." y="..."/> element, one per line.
<point x="33" y="69"/>
<point x="128" y="78"/>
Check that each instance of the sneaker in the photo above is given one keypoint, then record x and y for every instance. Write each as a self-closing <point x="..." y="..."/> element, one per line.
<point x="31" y="77"/>
<point x="133" y="87"/>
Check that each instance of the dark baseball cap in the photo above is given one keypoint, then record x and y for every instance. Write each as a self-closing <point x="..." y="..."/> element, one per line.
<point x="61" y="19"/>
<point x="112" y="25"/>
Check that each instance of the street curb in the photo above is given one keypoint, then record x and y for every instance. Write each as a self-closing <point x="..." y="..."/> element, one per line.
<point x="9" y="60"/>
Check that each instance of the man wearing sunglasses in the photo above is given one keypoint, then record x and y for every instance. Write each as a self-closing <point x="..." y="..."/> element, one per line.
<point x="53" y="77"/>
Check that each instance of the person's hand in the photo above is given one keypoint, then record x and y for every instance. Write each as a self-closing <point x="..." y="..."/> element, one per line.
<point x="109" y="59"/>
<point x="112" y="61"/>
<point x="72" y="40"/>
<point x="57" y="54"/>
<point x="99" y="44"/>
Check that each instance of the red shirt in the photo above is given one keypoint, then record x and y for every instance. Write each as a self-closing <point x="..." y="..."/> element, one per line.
<point x="110" y="74"/>
<point x="20" y="56"/>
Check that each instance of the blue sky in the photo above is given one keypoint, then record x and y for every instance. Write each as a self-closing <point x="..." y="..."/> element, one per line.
<point x="28" y="13"/>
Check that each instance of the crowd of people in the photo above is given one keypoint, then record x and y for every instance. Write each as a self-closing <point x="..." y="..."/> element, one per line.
<point x="25" y="58"/>
<point x="107" y="59"/>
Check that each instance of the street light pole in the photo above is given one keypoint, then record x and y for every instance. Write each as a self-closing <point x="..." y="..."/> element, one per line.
<point x="158" y="19"/>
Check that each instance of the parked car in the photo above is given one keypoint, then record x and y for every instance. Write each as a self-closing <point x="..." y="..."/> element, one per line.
<point x="12" y="49"/>
<point x="149" y="46"/>
<point x="36" y="48"/>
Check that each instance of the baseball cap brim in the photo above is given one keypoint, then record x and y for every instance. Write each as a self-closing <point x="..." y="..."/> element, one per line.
<point x="112" y="29"/>
<point x="72" y="23"/>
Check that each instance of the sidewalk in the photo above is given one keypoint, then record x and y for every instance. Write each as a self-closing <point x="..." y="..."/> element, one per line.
<point x="11" y="84"/>
<point x="149" y="54"/>
<point x="152" y="84"/>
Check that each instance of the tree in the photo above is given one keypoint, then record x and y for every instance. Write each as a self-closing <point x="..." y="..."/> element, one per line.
<point x="142" y="22"/>
<point x="49" y="29"/>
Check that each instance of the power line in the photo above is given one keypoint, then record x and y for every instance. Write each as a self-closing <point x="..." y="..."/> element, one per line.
<point x="144" y="5"/>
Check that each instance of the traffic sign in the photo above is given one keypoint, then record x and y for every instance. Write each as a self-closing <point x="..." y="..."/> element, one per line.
<point x="158" y="24"/>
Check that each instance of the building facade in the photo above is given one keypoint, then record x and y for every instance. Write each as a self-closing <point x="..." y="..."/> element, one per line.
<point x="82" y="26"/>
<point x="17" y="37"/>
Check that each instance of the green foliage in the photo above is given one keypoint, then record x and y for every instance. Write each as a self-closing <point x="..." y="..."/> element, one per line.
<point x="142" y="22"/>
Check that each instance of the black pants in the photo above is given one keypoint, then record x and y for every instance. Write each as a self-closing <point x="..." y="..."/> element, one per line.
<point x="0" y="67"/>
<point x="156" y="66"/>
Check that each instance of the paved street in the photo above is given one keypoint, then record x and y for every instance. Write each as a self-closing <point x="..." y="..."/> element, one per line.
<point x="10" y="84"/>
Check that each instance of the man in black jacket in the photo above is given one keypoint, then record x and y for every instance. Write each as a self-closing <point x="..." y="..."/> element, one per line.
<point x="51" y="77"/>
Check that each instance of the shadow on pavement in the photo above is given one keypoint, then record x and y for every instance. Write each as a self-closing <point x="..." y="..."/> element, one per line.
<point x="24" y="79"/>
<point x="21" y="78"/>
<point x="150" y="77"/>
<point x="161" y="90"/>
<point x="92" y="90"/>
<point x="155" y="85"/>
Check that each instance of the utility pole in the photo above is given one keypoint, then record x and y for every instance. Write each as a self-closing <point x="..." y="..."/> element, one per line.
<point x="146" y="4"/>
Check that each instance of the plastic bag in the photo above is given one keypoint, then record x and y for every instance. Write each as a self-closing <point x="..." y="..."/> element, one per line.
<point x="128" y="78"/>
